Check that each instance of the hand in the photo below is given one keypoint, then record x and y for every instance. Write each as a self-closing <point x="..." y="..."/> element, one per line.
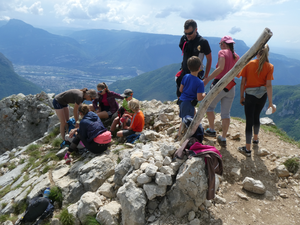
<point x="72" y="132"/>
<point x="242" y="100"/>
<point x="273" y="108"/>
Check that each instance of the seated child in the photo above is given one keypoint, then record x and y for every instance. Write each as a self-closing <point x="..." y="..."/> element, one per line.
<point x="191" y="88"/>
<point x="124" y="113"/>
<point x="137" y="121"/>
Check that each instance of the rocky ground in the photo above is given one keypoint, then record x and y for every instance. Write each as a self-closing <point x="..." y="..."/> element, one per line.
<point x="233" y="204"/>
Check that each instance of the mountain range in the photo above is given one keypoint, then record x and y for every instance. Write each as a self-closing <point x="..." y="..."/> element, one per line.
<point x="113" y="52"/>
<point x="12" y="83"/>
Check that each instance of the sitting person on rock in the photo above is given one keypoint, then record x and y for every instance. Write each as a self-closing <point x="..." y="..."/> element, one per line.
<point x="91" y="132"/>
<point x="137" y="121"/>
<point x="105" y="105"/>
<point x="124" y="113"/>
<point x="61" y="101"/>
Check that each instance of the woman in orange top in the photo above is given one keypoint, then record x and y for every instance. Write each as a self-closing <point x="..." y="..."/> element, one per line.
<point x="257" y="78"/>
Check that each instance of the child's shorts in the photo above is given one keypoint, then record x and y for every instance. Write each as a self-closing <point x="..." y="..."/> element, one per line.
<point x="127" y="132"/>
<point x="186" y="109"/>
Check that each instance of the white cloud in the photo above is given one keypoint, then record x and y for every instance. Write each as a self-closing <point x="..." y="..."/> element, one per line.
<point x="36" y="8"/>
<point x="19" y="6"/>
<point x="235" y="30"/>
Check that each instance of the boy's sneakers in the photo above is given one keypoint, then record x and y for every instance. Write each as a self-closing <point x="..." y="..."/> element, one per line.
<point x="221" y="142"/>
<point x="255" y="142"/>
<point x="65" y="144"/>
<point x="244" y="151"/>
<point x="209" y="133"/>
<point x="67" y="158"/>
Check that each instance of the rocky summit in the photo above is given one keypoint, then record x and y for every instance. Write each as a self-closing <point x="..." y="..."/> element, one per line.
<point x="142" y="183"/>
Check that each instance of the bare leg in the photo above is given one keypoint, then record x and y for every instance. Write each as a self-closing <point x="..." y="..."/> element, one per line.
<point x="114" y="124"/>
<point x="211" y="119"/>
<point x="120" y="133"/>
<point x="103" y="115"/>
<point x="62" y="119"/>
<point x="225" y="127"/>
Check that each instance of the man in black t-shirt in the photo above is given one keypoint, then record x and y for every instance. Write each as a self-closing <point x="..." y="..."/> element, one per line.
<point x="192" y="44"/>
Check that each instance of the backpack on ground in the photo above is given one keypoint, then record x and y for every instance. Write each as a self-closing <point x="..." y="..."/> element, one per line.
<point x="187" y="120"/>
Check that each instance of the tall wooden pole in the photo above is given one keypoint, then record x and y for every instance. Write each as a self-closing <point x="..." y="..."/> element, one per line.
<point x="261" y="41"/>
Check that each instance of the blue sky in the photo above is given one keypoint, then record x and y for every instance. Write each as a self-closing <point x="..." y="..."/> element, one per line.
<point x="241" y="19"/>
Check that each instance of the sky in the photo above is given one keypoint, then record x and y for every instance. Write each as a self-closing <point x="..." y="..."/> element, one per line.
<point x="242" y="19"/>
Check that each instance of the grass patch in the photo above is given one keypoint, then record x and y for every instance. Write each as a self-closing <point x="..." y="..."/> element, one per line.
<point x="281" y="134"/>
<point x="4" y="191"/>
<point x="46" y="169"/>
<point x="66" y="218"/>
<point x="90" y="220"/>
<point x="4" y="204"/>
<point x="56" y="195"/>
<point x="33" y="147"/>
<point x="20" y="208"/>
<point x="50" y="156"/>
<point x="56" y="142"/>
<point x="51" y="136"/>
<point x="11" y="166"/>
<point x="3" y="218"/>
<point x="292" y="164"/>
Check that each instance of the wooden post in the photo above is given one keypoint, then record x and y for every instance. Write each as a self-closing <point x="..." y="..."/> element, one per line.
<point x="230" y="75"/>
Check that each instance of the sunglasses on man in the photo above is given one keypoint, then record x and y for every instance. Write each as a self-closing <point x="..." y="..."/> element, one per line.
<point x="190" y="33"/>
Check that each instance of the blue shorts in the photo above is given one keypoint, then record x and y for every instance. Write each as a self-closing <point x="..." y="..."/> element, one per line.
<point x="56" y="105"/>
<point x="106" y="108"/>
<point x="186" y="108"/>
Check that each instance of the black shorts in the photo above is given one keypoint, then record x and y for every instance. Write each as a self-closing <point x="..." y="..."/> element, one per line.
<point x="56" y="105"/>
<point x="127" y="132"/>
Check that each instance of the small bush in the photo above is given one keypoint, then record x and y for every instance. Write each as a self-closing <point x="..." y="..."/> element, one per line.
<point x="56" y="142"/>
<point x="4" y="191"/>
<point x="3" y="204"/>
<point x="56" y="195"/>
<point x="35" y="154"/>
<point x="20" y="208"/>
<point x="66" y="218"/>
<point x="90" y="220"/>
<point x="292" y="164"/>
<point x="33" y="147"/>
<point x="11" y="166"/>
<point x="3" y="218"/>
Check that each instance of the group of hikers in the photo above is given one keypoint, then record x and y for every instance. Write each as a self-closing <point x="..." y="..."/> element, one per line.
<point x="256" y="84"/>
<point x="256" y="87"/>
<point x="90" y="131"/>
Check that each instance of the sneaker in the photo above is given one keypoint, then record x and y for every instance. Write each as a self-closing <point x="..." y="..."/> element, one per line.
<point x="221" y="143"/>
<point x="255" y="142"/>
<point x="65" y="144"/>
<point x="209" y="133"/>
<point x="244" y="151"/>
<point x="67" y="158"/>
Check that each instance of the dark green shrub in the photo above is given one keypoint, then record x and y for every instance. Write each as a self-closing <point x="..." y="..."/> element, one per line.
<point x="90" y="220"/>
<point x="56" y="195"/>
<point x="66" y="218"/>
<point x="292" y="164"/>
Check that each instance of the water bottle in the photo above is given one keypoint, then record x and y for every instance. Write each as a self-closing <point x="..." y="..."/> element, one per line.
<point x="46" y="193"/>
<point x="270" y="110"/>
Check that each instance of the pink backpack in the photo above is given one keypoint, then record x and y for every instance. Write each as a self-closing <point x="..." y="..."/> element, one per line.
<point x="103" y="138"/>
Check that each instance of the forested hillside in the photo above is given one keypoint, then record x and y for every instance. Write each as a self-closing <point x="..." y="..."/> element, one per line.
<point x="12" y="83"/>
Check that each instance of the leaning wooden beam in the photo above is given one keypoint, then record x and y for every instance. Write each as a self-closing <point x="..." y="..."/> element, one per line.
<point x="261" y="41"/>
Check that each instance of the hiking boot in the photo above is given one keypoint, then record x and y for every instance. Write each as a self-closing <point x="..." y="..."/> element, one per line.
<point x="244" y="151"/>
<point x="65" y="144"/>
<point x="209" y="133"/>
<point x="255" y="142"/>
<point x="221" y="143"/>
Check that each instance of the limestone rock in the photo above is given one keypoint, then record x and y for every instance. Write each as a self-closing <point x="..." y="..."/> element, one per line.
<point x="133" y="202"/>
<point x="88" y="205"/>
<point x="255" y="186"/>
<point x="282" y="171"/>
<point x="153" y="190"/>
<point x="109" y="214"/>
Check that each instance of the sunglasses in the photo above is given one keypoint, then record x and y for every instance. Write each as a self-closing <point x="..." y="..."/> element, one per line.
<point x="190" y="33"/>
<point x="100" y="91"/>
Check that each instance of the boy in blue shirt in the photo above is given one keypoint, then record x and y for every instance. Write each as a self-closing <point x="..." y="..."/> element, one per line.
<point x="191" y="88"/>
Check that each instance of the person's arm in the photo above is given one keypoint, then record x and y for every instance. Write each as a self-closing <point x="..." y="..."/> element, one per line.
<point x="181" y="88"/>
<point x="242" y="90"/>
<point x="217" y="71"/>
<point x="208" y="65"/>
<point x="269" y="94"/>
<point x="200" y="96"/>
<point x="75" y="111"/>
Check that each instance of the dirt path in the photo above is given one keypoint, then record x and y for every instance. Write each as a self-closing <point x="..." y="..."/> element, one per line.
<point x="279" y="205"/>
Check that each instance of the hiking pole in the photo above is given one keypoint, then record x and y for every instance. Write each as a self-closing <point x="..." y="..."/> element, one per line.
<point x="228" y="77"/>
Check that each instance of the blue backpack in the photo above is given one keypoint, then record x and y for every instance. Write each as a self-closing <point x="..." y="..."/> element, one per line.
<point x="187" y="120"/>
